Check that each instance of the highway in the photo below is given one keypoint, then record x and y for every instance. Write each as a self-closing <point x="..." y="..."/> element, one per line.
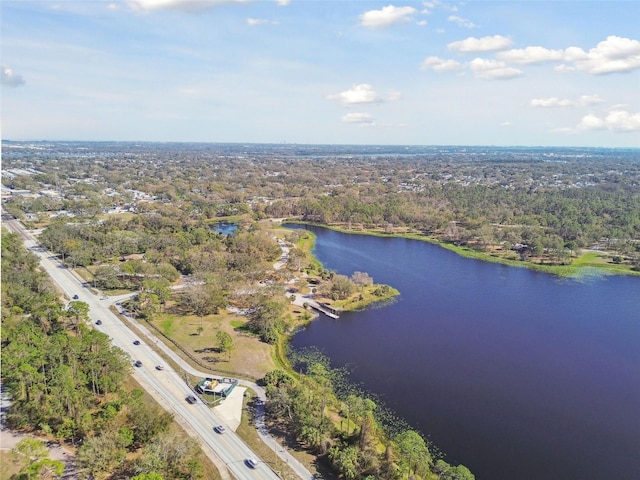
<point x="165" y="385"/>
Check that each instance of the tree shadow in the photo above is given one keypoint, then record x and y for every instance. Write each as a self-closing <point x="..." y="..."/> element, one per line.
<point x="211" y="359"/>
<point x="208" y="350"/>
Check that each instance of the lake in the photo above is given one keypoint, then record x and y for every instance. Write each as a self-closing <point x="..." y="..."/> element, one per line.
<point x="225" y="228"/>
<point x="514" y="373"/>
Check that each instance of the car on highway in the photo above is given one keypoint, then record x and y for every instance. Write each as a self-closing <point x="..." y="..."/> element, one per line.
<point x="98" y="322"/>
<point x="251" y="463"/>
<point x="76" y="297"/>
<point x="160" y="367"/>
<point x="136" y="342"/>
<point x="138" y="363"/>
<point x="191" y="399"/>
<point x="219" y="429"/>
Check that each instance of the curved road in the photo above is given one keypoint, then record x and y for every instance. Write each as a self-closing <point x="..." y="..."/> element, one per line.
<point x="167" y="386"/>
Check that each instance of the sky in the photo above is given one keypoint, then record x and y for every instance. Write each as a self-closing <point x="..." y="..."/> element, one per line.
<point x="505" y="73"/>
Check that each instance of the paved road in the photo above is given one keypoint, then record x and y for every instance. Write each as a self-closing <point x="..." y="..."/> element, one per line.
<point x="166" y="385"/>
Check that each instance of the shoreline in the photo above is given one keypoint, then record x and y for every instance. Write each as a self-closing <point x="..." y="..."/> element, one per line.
<point x="571" y="270"/>
<point x="353" y="303"/>
<point x="280" y="348"/>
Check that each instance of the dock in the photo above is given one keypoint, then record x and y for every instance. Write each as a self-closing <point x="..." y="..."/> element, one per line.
<point x="328" y="311"/>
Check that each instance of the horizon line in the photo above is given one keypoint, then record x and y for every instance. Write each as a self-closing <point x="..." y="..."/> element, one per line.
<point x="318" y="144"/>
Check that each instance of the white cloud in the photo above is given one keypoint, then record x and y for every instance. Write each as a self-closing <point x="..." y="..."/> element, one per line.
<point x="357" y="94"/>
<point x="613" y="55"/>
<point x="482" y="68"/>
<point x="386" y="16"/>
<point x="506" y="124"/>
<point x="583" y="100"/>
<point x="184" y="5"/>
<point x="551" y="102"/>
<point x="531" y="55"/>
<point x="363" y="119"/>
<point x="440" y="64"/>
<point x="484" y="44"/>
<point x="10" y="78"/>
<point x="461" y="22"/>
<point x="428" y="6"/>
<point x="589" y="99"/>
<point x="283" y="3"/>
<point x="493" y="69"/>
<point x="617" y="120"/>
<point x="591" y="122"/>
<point x="253" y="22"/>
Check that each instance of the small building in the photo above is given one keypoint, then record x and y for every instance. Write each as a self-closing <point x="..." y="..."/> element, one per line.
<point x="221" y="386"/>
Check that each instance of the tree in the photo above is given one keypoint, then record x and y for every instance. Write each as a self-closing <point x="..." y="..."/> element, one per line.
<point x="205" y="299"/>
<point x="106" y="277"/>
<point x="148" y="476"/>
<point x="345" y="460"/>
<point x="225" y="343"/>
<point x="277" y="377"/>
<point x="31" y="449"/>
<point x="45" y="469"/>
<point x="342" y="286"/>
<point x="461" y="473"/>
<point x="266" y="320"/>
<point x="171" y="457"/>
<point x="362" y="278"/>
<point x="78" y="311"/>
<point x="101" y="453"/>
<point x="105" y="365"/>
<point x="158" y="287"/>
<point x="414" y="454"/>
<point x="33" y="453"/>
<point x="167" y="272"/>
<point x="147" y="421"/>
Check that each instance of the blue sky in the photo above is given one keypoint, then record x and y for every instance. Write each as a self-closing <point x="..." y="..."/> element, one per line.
<point x="525" y="73"/>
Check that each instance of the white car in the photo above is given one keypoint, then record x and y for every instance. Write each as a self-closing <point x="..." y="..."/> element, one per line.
<point x="251" y="463"/>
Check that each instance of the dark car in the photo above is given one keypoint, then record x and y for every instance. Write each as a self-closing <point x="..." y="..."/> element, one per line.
<point x="191" y="399"/>
<point x="136" y="342"/>
<point x="98" y="322"/>
<point x="219" y="429"/>
<point x="251" y="463"/>
<point x="76" y="297"/>
<point x="138" y="363"/>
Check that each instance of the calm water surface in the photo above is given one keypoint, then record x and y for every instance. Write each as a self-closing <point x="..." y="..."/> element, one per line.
<point x="225" y="228"/>
<point x="514" y="373"/>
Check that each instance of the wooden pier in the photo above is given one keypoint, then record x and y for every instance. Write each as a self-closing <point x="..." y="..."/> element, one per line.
<point x="328" y="311"/>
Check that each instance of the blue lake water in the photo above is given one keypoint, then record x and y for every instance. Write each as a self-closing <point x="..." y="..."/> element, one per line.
<point x="513" y="373"/>
<point x="225" y="228"/>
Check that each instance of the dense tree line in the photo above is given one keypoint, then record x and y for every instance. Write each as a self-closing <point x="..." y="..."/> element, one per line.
<point x="171" y="244"/>
<point x="345" y="428"/>
<point x="492" y="215"/>
<point x="551" y="201"/>
<point x="67" y="381"/>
